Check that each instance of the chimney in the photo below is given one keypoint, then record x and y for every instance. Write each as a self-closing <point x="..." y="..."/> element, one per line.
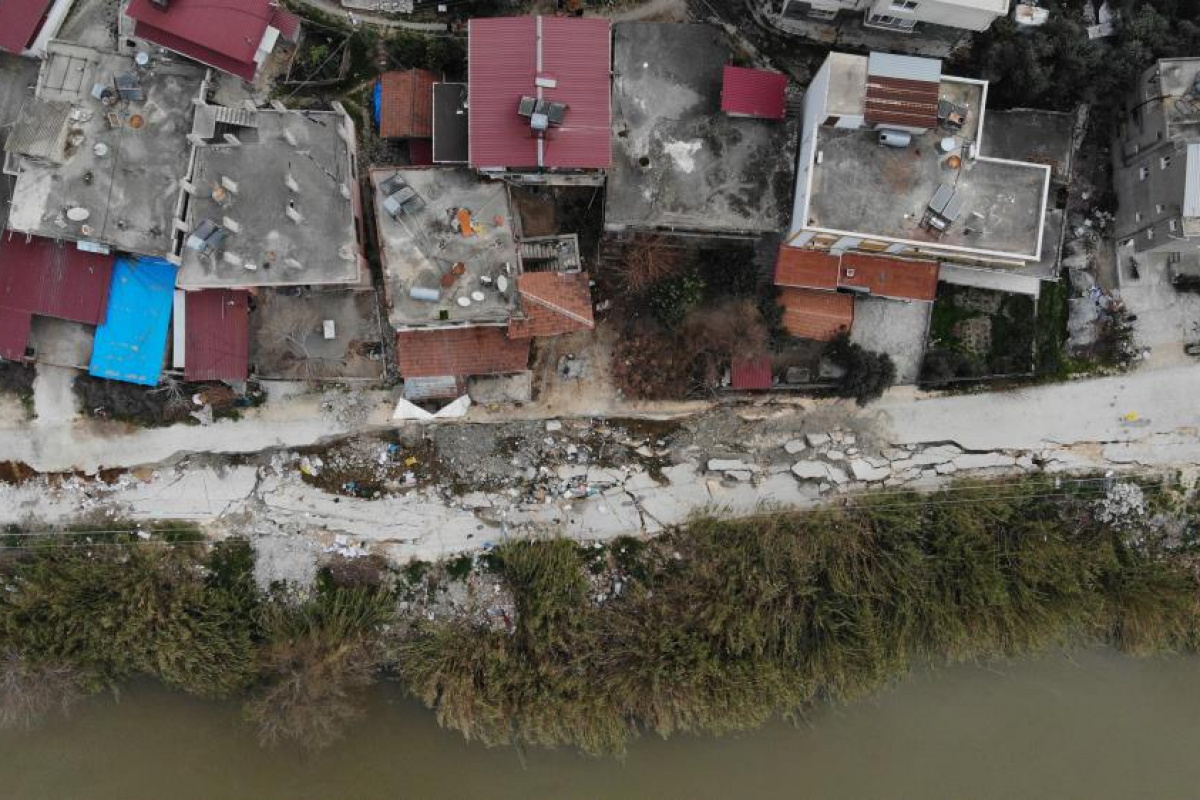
<point x="345" y="192"/>
<point x="231" y="225"/>
<point x="229" y="185"/>
<point x="294" y="215"/>
<point x="291" y="184"/>
<point x="231" y="258"/>
<point x="289" y="137"/>
<point x="292" y="263"/>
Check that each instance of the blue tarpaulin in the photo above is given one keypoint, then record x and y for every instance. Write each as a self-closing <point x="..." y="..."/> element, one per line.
<point x="131" y="345"/>
<point x="377" y="102"/>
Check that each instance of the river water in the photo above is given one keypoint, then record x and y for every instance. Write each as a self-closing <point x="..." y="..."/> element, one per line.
<point x="1092" y="726"/>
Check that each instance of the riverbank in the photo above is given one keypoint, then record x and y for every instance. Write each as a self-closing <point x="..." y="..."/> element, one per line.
<point x="713" y="627"/>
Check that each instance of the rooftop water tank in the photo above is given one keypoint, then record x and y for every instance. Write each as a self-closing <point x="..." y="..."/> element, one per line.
<point x="895" y="138"/>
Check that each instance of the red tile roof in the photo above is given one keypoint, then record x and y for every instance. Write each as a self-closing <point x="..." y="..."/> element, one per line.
<point x="406" y="104"/>
<point x="20" y="21"/>
<point x="217" y="344"/>
<point x="460" y="352"/>
<point x="816" y="315"/>
<point x="754" y="93"/>
<point x="554" y="303"/>
<point x="504" y="54"/>
<point x="806" y="269"/>
<point x="751" y="373"/>
<point x="902" y="279"/>
<point x="224" y="34"/>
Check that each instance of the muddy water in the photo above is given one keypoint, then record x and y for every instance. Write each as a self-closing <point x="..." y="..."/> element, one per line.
<point x="1094" y="726"/>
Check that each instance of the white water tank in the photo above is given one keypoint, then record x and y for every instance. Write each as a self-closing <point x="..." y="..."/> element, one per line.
<point x="895" y="138"/>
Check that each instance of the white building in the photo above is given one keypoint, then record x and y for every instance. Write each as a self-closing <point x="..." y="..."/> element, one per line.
<point x="902" y="15"/>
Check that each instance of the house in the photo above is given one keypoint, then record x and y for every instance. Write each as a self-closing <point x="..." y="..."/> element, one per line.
<point x="682" y="164"/>
<point x="903" y="16"/>
<point x="271" y="200"/>
<point x="451" y="124"/>
<point x="404" y="110"/>
<point x="43" y="278"/>
<point x="464" y="290"/>
<point x="27" y="26"/>
<point x="92" y="116"/>
<point x="894" y="158"/>
<point x="539" y="96"/>
<point x="1156" y="172"/>
<point x="234" y="36"/>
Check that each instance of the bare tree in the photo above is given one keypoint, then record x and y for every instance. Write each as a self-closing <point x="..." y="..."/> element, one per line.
<point x="649" y="261"/>
<point x="288" y="335"/>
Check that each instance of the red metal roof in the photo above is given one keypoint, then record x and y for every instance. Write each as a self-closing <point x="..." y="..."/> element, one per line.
<point x="406" y="104"/>
<point x="51" y="279"/>
<point x="751" y="373"/>
<point x="806" y="269"/>
<point x="554" y="303"/>
<point x="14" y="333"/>
<point x="20" y="21"/>
<point x="504" y="55"/>
<point x="754" y="93"/>
<point x="899" y="278"/>
<point x="217" y="344"/>
<point x="816" y="315"/>
<point x="460" y="352"/>
<point x="224" y="34"/>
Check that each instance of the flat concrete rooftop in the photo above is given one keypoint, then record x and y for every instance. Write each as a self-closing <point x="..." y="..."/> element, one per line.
<point x="1033" y="135"/>
<point x="421" y="250"/>
<point x="288" y="188"/>
<point x="119" y="162"/>
<point x="678" y="161"/>
<point x="863" y="187"/>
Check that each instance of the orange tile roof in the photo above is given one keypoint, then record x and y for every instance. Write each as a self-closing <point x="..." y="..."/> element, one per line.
<point x="459" y="352"/>
<point x="818" y="315"/>
<point x="554" y="303"/>
<point x="884" y="276"/>
<point x="806" y="269"/>
<point x="406" y="104"/>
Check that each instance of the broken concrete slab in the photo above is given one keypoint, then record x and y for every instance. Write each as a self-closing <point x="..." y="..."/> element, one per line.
<point x="864" y="471"/>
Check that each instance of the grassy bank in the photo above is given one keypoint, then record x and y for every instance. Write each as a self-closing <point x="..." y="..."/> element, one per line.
<point x="712" y="628"/>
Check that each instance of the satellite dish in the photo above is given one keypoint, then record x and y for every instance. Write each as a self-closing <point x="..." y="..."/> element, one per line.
<point x="478" y="297"/>
<point x="78" y="214"/>
<point x="86" y="230"/>
<point x="142" y="58"/>
<point x="464" y="301"/>
<point x="502" y="283"/>
<point x="100" y="149"/>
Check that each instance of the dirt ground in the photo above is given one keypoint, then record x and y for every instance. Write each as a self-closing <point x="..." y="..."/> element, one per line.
<point x="573" y="374"/>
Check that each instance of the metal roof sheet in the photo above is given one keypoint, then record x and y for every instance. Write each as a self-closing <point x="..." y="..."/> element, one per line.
<point x="751" y="373"/>
<point x="754" y="93"/>
<point x="131" y="345"/>
<point x="53" y="279"/>
<point x="1191" y="186"/>
<point x="218" y="335"/>
<point x="14" y="333"/>
<point x="20" y="21"/>
<point x="450" y="123"/>
<point x="41" y="130"/>
<point x="224" y="34"/>
<point x="506" y="57"/>
<point x="909" y="68"/>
